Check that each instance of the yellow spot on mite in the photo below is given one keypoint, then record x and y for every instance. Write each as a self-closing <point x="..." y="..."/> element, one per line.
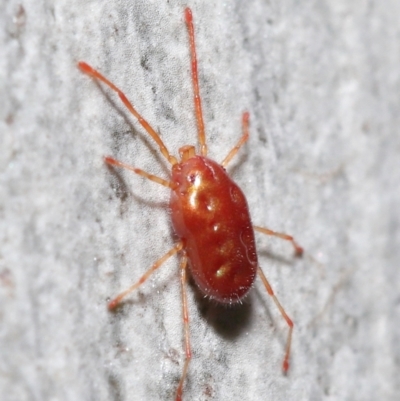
<point x="227" y="247"/>
<point x="223" y="270"/>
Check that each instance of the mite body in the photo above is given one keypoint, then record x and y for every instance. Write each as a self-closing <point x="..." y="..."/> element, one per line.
<point x="209" y="214"/>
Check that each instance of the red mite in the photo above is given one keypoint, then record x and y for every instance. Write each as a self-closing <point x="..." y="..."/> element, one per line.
<point x="209" y="214"/>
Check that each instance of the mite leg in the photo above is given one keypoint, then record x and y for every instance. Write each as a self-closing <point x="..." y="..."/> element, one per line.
<point x="117" y="300"/>
<point x="87" y="69"/>
<point x="195" y="81"/>
<point x="297" y="248"/>
<point x="268" y="287"/>
<point x="242" y="140"/>
<point x="183" y="267"/>
<point x="151" y="177"/>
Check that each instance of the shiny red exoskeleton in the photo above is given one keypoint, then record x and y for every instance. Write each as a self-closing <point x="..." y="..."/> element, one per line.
<point x="209" y="214"/>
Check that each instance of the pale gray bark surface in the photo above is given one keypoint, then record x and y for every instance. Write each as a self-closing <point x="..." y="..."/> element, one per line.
<point x="321" y="80"/>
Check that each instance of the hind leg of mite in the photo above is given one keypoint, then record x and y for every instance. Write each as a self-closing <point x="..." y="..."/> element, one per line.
<point x="185" y="315"/>
<point x="285" y="365"/>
